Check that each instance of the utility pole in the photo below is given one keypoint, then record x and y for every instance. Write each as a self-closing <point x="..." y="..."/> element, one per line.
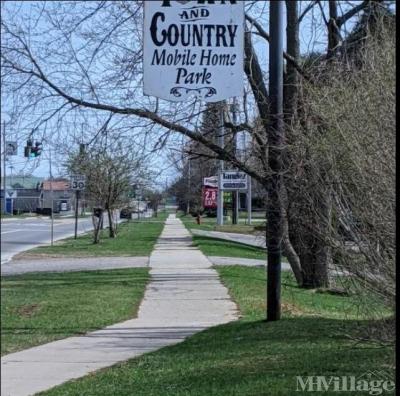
<point x="11" y="185"/>
<point x="4" y="169"/>
<point x="76" y="213"/>
<point x="220" y="207"/>
<point x="275" y="140"/>
<point x="235" y="194"/>
<point x="52" y="201"/>
<point x="188" y="189"/>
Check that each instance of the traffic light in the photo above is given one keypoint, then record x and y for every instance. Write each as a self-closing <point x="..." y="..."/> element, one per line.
<point x="28" y="148"/>
<point x="32" y="152"/>
<point x="37" y="150"/>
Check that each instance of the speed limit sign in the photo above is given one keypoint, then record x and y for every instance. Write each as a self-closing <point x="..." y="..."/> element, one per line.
<point x="78" y="182"/>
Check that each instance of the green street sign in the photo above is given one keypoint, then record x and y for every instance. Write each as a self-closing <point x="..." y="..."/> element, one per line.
<point x="227" y="197"/>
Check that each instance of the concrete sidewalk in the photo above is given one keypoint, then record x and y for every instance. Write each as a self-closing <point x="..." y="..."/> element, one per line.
<point x="68" y="264"/>
<point x="183" y="297"/>
<point x="217" y="260"/>
<point x="251" y="240"/>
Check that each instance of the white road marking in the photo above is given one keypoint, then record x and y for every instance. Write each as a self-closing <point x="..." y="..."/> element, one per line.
<point x="8" y="232"/>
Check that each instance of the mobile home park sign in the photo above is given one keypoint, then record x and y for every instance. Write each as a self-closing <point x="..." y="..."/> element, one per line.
<point x="193" y="48"/>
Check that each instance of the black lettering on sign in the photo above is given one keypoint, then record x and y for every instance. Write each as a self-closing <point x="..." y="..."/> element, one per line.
<point x="191" y="34"/>
<point x="184" y="77"/>
<point x="167" y="3"/>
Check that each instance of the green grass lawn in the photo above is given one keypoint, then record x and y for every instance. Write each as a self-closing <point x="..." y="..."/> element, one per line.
<point x="218" y="247"/>
<point x="249" y="357"/>
<point x="38" y="308"/>
<point x="210" y="224"/>
<point x="207" y="223"/>
<point x="135" y="238"/>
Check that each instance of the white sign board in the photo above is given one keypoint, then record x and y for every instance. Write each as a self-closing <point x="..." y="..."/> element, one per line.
<point x="193" y="48"/>
<point x="211" y="181"/>
<point x="11" y="193"/>
<point x="11" y="148"/>
<point x="78" y="182"/>
<point x="233" y="180"/>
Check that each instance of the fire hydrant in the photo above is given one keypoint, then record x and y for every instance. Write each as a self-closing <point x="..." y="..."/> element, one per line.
<point x="198" y="218"/>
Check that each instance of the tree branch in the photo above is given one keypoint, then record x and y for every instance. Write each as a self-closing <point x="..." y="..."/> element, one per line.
<point x="221" y="153"/>
<point x="349" y="14"/>
<point x="289" y="58"/>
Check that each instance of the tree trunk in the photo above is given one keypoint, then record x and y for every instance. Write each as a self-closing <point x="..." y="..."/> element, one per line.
<point x="97" y="224"/>
<point x="314" y="262"/>
<point x="101" y="225"/>
<point x="112" y="232"/>
<point x="333" y="30"/>
<point x="290" y="253"/>
<point x="309" y="234"/>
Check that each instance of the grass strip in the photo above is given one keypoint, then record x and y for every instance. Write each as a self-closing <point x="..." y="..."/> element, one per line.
<point x="39" y="308"/>
<point x="134" y="238"/>
<point x="219" y="247"/>
<point x="210" y="224"/>
<point x="248" y="357"/>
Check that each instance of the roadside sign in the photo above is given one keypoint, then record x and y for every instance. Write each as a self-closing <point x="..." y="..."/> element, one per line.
<point x="78" y="182"/>
<point x="193" y="48"/>
<point x="227" y="197"/>
<point x="211" y="181"/>
<point x="11" y="193"/>
<point x="210" y="195"/>
<point x="233" y="180"/>
<point x="11" y="148"/>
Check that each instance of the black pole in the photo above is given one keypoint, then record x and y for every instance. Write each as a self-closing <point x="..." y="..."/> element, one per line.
<point x="234" y="210"/>
<point x="76" y="213"/>
<point x="275" y="141"/>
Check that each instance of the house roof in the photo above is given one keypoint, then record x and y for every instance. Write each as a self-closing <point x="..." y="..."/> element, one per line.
<point x="55" y="185"/>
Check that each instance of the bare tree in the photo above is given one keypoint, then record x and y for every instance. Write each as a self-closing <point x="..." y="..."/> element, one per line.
<point x="70" y="61"/>
<point x="109" y="173"/>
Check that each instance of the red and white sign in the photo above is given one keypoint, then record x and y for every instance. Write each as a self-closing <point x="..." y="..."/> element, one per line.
<point x="210" y="195"/>
<point x="211" y="181"/>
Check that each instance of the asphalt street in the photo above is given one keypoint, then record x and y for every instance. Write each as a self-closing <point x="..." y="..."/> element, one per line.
<point x="22" y="234"/>
<point x="26" y="233"/>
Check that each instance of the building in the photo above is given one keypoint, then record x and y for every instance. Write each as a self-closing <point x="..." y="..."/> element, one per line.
<point x="57" y="194"/>
<point x="22" y="194"/>
<point x="30" y="194"/>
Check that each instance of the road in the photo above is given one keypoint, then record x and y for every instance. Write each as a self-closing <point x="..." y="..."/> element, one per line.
<point x="26" y="233"/>
<point x="22" y="234"/>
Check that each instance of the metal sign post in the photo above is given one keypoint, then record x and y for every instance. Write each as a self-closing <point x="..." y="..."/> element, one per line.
<point x="78" y="183"/>
<point x="220" y="208"/>
<point x="52" y="201"/>
<point x="76" y="213"/>
<point x="248" y="200"/>
<point x="235" y="207"/>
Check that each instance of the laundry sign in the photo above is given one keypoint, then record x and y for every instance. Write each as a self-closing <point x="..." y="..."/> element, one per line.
<point x="193" y="49"/>
<point x="233" y="180"/>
